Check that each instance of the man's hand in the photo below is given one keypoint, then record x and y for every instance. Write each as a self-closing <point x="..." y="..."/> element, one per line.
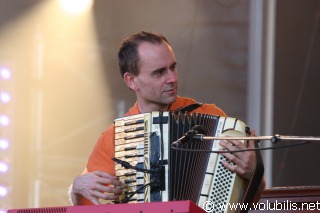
<point x="94" y="186"/>
<point x="245" y="161"/>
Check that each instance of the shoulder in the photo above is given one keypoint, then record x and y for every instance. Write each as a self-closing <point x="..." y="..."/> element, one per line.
<point x="106" y="137"/>
<point x="211" y="109"/>
<point x="205" y="108"/>
<point x="133" y="110"/>
<point x="181" y="102"/>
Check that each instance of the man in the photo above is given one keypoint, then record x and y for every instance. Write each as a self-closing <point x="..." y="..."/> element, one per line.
<point x="149" y="68"/>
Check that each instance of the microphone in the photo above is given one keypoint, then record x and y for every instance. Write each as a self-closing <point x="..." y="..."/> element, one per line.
<point x="188" y="136"/>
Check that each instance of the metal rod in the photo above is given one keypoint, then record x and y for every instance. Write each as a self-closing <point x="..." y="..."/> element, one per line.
<point x="274" y="138"/>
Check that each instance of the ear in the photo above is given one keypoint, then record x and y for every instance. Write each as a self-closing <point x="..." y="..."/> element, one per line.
<point x="129" y="78"/>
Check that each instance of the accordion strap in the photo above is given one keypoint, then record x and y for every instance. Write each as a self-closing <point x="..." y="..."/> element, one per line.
<point x="255" y="181"/>
<point x="188" y="108"/>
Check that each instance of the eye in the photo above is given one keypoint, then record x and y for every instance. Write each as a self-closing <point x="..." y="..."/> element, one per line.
<point x="173" y="67"/>
<point x="159" y="72"/>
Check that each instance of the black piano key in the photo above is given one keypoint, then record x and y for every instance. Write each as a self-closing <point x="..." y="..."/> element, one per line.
<point x="130" y="173"/>
<point x="134" y="122"/>
<point x="130" y="148"/>
<point x="130" y="181"/>
<point x="134" y="136"/>
<point x="134" y="129"/>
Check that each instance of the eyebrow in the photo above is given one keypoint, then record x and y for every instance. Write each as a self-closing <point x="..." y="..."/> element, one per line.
<point x="173" y="64"/>
<point x="158" y="70"/>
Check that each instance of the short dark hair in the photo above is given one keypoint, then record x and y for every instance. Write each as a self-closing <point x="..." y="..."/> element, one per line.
<point x="128" y="52"/>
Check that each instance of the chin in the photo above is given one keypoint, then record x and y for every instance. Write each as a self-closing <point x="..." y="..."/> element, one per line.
<point x="172" y="99"/>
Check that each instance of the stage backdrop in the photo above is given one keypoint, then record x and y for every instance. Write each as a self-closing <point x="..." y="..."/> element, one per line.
<point x="67" y="88"/>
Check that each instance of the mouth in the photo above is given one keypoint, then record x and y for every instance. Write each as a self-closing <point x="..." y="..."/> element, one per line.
<point x="171" y="90"/>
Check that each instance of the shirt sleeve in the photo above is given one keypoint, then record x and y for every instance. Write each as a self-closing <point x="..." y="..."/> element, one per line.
<point x="102" y="153"/>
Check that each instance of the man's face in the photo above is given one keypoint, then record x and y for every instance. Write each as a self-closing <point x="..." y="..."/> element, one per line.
<point x="157" y="82"/>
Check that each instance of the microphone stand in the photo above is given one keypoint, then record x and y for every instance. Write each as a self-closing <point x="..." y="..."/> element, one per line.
<point x="274" y="139"/>
<point x="257" y="176"/>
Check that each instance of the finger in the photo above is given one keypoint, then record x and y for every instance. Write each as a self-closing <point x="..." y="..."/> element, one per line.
<point x="232" y="158"/>
<point x="233" y="144"/>
<point x="96" y="195"/>
<point x="233" y="168"/>
<point x="105" y="174"/>
<point x="107" y="178"/>
<point x="109" y="189"/>
<point x="117" y="183"/>
<point x="252" y="132"/>
<point x="232" y="147"/>
<point x="111" y="181"/>
<point x="238" y="158"/>
<point x="251" y="144"/>
<point x="110" y="197"/>
<point x="229" y="155"/>
<point x="227" y="145"/>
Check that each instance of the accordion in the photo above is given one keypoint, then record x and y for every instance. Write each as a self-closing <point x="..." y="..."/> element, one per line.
<point x="154" y="170"/>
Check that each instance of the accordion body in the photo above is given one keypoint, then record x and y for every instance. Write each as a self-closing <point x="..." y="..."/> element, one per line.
<point x="154" y="171"/>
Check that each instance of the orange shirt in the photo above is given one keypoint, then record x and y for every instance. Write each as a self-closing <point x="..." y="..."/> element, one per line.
<point x="103" y="151"/>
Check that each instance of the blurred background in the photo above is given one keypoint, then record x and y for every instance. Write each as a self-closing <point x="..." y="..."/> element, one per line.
<point x="60" y="84"/>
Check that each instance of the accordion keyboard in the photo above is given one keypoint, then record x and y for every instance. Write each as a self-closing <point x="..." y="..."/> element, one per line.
<point x="129" y="147"/>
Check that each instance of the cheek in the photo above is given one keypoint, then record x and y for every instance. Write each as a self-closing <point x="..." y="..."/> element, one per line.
<point x="145" y="87"/>
<point x="150" y="86"/>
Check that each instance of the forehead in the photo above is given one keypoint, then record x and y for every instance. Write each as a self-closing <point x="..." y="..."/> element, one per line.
<point x="157" y="54"/>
